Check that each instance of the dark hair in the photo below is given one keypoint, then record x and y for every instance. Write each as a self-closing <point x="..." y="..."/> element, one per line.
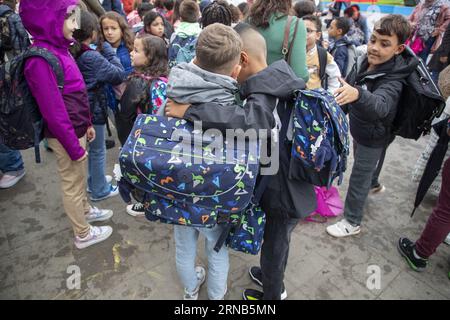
<point x="155" y="50"/>
<point x="159" y="4"/>
<point x="144" y="8"/>
<point x="342" y="23"/>
<point x="169" y="4"/>
<point x="218" y="11"/>
<point x="10" y="3"/>
<point x="315" y="20"/>
<point x="176" y="11"/>
<point x="262" y="10"/>
<point x="189" y="11"/>
<point x="150" y="17"/>
<point x="304" y="7"/>
<point x="350" y="11"/>
<point x="127" y="34"/>
<point x="244" y="8"/>
<point x="394" y="24"/>
<point x="218" y="48"/>
<point x="88" y="24"/>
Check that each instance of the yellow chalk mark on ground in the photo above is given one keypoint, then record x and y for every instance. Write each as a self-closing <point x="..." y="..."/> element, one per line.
<point x="116" y="255"/>
<point x="154" y="274"/>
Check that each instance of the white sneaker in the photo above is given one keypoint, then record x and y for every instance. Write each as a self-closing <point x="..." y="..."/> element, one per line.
<point x="343" y="228"/>
<point x="95" y="235"/>
<point x="136" y="210"/>
<point x="447" y="239"/>
<point x="96" y="214"/>
<point x="108" y="180"/>
<point x="9" y="179"/>
<point x="201" y="276"/>
<point x="114" y="191"/>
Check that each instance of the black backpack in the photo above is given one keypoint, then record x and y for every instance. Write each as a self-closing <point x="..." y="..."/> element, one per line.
<point x="420" y="103"/>
<point x="21" y="123"/>
<point x="323" y="59"/>
<point x="5" y="34"/>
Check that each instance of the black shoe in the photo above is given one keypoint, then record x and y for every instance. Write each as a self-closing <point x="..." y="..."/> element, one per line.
<point x="256" y="275"/>
<point x="251" y="294"/>
<point x="110" y="144"/>
<point x="406" y="249"/>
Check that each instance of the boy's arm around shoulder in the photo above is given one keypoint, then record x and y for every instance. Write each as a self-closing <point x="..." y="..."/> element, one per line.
<point x="257" y="114"/>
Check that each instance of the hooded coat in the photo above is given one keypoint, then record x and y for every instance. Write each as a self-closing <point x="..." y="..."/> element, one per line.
<point x="66" y="113"/>
<point x="283" y="197"/>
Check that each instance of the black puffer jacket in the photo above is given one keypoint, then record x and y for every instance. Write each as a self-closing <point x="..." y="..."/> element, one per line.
<point x="371" y="116"/>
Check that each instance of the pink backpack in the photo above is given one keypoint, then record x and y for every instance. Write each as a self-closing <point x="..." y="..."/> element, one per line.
<point x="329" y="204"/>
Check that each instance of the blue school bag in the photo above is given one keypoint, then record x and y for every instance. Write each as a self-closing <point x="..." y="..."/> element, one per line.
<point x="181" y="49"/>
<point x="181" y="179"/>
<point x="320" y="139"/>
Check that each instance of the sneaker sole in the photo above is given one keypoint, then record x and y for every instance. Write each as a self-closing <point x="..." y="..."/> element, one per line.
<point x="104" y="218"/>
<point x="12" y="184"/>
<point x="86" y="244"/>
<point x="412" y="265"/>
<point x="131" y="213"/>
<point x="256" y="280"/>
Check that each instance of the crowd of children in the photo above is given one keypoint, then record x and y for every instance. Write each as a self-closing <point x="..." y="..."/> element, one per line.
<point x="184" y="59"/>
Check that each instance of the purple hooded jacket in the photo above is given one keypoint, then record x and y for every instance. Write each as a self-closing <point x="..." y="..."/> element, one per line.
<point x="66" y="115"/>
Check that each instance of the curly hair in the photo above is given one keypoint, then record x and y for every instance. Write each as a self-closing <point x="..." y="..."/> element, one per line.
<point x="156" y="52"/>
<point x="218" y="11"/>
<point x="127" y="33"/>
<point x="261" y="11"/>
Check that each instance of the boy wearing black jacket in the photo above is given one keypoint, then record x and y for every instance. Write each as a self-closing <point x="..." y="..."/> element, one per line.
<point x="284" y="201"/>
<point x="371" y="97"/>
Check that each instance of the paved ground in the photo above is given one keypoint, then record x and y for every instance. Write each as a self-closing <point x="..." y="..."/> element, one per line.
<point x="137" y="262"/>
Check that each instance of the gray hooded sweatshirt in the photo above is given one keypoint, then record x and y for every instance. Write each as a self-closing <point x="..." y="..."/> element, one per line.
<point x="190" y="84"/>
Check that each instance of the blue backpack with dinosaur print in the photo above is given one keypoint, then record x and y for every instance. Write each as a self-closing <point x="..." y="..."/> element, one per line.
<point x="182" y="180"/>
<point x="320" y="139"/>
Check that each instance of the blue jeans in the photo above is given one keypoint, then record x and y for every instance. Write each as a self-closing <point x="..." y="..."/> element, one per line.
<point x="426" y="51"/>
<point x="10" y="160"/>
<point x="186" y="252"/>
<point x="97" y="163"/>
<point x="364" y="167"/>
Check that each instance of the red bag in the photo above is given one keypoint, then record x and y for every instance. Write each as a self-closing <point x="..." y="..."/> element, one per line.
<point x="416" y="44"/>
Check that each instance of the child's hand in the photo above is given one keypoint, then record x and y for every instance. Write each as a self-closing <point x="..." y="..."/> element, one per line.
<point x="90" y="134"/>
<point x="175" y="110"/>
<point x="346" y="93"/>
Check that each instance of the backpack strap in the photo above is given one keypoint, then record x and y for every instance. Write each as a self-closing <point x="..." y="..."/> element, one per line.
<point x="322" y="66"/>
<point x="52" y="61"/>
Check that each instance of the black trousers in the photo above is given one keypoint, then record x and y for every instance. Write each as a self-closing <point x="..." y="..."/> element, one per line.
<point x="275" y="253"/>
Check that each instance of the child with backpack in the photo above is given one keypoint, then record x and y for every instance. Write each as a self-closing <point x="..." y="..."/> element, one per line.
<point x="98" y="69"/>
<point x="342" y="49"/>
<point x="183" y="40"/>
<point x="372" y="96"/>
<point x="323" y="70"/>
<point x="145" y="91"/>
<point x="115" y="31"/>
<point x="67" y="119"/>
<point x="209" y="78"/>
<point x="285" y="200"/>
